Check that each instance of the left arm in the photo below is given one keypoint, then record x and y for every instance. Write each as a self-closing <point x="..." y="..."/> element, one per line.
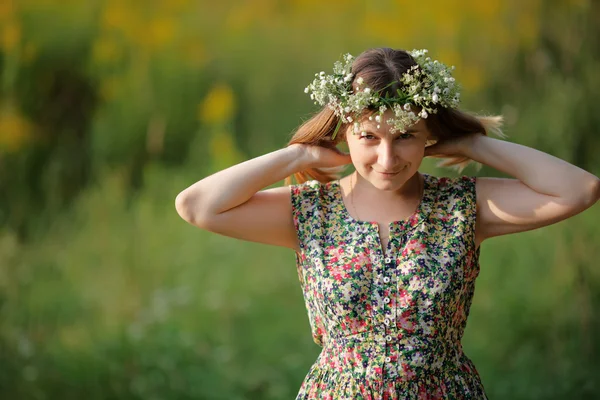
<point x="546" y="189"/>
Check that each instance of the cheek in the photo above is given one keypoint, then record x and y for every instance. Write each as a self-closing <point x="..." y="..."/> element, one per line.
<point x="413" y="150"/>
<point x="358" y="152"/>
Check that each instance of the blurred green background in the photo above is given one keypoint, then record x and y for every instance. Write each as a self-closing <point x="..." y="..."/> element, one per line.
<point x="109" y="108"/>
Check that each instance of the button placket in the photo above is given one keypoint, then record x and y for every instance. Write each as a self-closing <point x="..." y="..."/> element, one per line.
<point x="384" y="290"/>
<point x="388" y="363"/>
<point x="388" y="269"/>
<point x="378" y="291"/>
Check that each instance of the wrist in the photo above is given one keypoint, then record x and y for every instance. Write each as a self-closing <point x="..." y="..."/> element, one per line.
<point x="470" y="145"/>
<point x="299" y="156"/>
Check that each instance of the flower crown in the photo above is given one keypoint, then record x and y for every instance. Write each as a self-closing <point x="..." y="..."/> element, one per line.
<point x="427" y="85"/>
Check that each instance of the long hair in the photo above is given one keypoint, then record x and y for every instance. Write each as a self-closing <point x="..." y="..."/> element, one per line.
<point x="382" y="70"/>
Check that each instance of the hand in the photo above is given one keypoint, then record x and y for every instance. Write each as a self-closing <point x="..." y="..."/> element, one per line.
<point x="324" y="155"/>
<point x="455" y="147"/>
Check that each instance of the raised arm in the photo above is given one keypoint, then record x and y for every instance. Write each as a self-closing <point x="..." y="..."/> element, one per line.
<point x="546" y="189"/>
<point x="232" y="202"/>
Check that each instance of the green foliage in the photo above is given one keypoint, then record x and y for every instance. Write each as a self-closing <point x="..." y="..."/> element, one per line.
<point x="127" y="301"/>
<point x="108" y="110"/>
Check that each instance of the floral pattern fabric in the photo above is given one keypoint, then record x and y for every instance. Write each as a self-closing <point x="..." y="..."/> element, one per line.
<point x="390" y="323"/>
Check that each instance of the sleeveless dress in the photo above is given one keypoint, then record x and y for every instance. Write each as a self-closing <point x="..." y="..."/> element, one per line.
<point x="389" y="323"/>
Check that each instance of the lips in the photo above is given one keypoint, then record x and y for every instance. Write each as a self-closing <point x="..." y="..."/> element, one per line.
<point x="387" y="175"/>
<point x="391" y="172"/>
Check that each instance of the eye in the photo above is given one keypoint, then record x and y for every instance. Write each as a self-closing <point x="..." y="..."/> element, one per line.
<point x="368" y="136"/>
<point x="404" y="136"/>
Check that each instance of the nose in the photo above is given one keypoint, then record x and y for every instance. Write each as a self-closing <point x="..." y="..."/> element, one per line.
<point x="386" y="157"/>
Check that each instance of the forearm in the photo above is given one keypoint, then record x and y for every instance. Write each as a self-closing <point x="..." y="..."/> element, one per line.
<point x="235" y="185"/>
<point x="540" y="171"/>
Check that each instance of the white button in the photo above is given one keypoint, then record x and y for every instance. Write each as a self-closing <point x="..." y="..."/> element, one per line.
<point x="388" y="338"/>
<point x="386" y="321"/>
<point x="387" y="359"/>
<point x="388" y="260"/>
<point x="386" y="300"/>
<point x="386" y="279"/>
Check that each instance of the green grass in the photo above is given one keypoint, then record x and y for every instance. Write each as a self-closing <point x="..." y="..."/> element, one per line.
<point x="122" y="299"/>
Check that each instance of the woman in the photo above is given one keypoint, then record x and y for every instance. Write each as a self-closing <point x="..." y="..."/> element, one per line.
<point x="387" y="257"/>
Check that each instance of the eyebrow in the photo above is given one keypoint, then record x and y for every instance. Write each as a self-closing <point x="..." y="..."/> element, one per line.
<point x="409" y="130"/>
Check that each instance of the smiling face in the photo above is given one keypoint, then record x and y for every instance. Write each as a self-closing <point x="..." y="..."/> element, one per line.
<point x="386" y="161"/>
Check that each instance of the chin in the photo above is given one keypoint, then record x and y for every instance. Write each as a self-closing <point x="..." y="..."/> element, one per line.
<point x="393" y="182"/>
<point x="388" y="183"/>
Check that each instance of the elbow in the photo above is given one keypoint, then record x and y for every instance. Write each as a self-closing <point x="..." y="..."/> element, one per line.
<point x="590" y="194"/>
<point x="595" y="191"/>
<point x="185" y="206"/>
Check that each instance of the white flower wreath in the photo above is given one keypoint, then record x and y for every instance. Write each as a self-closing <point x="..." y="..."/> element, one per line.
<point x="427" y="85"/>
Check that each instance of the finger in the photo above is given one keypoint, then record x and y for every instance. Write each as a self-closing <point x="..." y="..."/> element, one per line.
<point x="430" y="150"/>
<point x="433" y="151"/>
<point x="345" y="157"/>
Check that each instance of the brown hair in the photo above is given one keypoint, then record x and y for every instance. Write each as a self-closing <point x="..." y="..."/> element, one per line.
<point x="381" y="70"/>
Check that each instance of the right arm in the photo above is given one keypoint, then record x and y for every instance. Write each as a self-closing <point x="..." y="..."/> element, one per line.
<point x="231" y="202"/>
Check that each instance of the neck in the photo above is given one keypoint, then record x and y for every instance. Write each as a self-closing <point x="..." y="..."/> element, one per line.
<point x="409" y="190"/>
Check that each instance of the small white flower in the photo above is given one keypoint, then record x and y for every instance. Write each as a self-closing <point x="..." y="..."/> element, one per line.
<point x="426" y="83"/>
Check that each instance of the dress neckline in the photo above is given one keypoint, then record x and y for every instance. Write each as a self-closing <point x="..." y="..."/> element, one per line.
<point x="419" y="214"/>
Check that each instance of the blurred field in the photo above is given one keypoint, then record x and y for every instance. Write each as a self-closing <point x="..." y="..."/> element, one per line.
<point x="109" y="108"/>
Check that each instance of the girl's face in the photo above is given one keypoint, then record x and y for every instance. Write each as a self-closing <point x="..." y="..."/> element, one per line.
<point x="386" y="161"/>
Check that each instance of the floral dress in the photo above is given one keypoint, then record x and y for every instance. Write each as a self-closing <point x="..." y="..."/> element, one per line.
<point x="389" y="323"/>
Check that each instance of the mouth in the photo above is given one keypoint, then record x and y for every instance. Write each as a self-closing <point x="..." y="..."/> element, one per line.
<point x="390" y="174"/>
